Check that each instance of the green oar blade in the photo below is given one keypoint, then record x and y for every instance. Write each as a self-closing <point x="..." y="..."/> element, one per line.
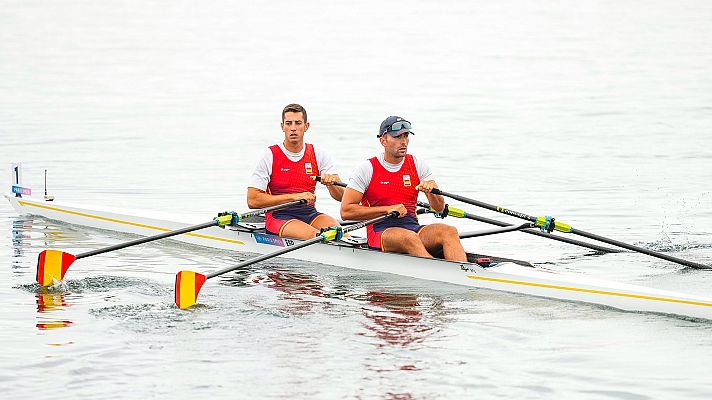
<point x="52" y="265"/>
<point x="188" y="284"/>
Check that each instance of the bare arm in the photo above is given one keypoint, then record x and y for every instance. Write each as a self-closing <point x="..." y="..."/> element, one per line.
<point x="257" y="198"/>
<point x="352" y="209"/>
<point x="336" y="192"/>
<point x="437" y="202"/>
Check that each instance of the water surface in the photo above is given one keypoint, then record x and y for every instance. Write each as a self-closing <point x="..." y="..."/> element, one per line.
<point x="597" y="113"/>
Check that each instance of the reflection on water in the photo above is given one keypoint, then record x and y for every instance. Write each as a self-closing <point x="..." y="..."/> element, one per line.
<point x="51" y="303"/>
<point x="20" y="235"/>
<point x="54" y="324"/>
<point x="400" y="322"/>
<point x="295" y="288"/>
<point x="396" y="320"/>
<point x="38" y="233"/>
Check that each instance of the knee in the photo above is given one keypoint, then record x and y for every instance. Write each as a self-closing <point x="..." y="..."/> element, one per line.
<point x="447" y="231"/>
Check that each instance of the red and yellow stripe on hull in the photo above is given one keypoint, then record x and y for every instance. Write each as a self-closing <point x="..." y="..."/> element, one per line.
<point x="52" y="265"/>
<point x="188" y="284"/>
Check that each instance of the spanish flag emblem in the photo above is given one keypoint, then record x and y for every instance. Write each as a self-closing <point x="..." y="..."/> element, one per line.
<point x="308" y="168"/>
<point x="406" y="180"/>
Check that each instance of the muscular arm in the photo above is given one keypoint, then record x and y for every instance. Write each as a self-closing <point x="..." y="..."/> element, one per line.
<point x="353" y="210"/>
<point x="436" y="201"/>
<point x="257" y="198"/>
<point x="336" y="192"/>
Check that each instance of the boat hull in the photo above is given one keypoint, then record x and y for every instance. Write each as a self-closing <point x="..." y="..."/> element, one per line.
<point x="504" y="276"/>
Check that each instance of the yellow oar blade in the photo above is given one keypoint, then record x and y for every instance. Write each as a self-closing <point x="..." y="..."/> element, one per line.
<point x="188" y="284"/>
<point x="52" y="265"/>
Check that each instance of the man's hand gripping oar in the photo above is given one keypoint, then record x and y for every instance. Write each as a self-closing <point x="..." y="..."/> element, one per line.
<point x="53" y="264"/>
<point x="188" y="283"/>
<point x="549" y="224"/>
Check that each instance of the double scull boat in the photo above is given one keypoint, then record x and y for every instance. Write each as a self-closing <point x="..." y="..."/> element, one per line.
<point x="496" y="274"/>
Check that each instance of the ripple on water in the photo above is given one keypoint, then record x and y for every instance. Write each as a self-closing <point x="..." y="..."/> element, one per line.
<point x="153" y="317"/>
<point x="96" y="284"/>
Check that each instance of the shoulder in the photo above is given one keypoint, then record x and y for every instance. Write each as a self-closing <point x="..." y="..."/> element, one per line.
<point x="418" y="161"/>
<point x="324" y="160"/>
<point x="361" y="176"/>
<point x="363" y="172"/>
<point x="318" y="150"/>
<point x="365" y="165"/>
<point x="266" y="155"/>
<point x="422" y="168"/>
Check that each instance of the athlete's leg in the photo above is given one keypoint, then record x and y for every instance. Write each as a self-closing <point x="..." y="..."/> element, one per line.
<point x="400" y="240"/>
<point x="326" y="221"/>
<point x="297" y="229"/>
<point x="445" y="237"/>
<point x="323" y="221"/>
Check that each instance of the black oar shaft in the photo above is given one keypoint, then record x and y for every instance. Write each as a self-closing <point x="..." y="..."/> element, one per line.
<point x="298" y="246"/>
<point x="265" y="257"/>
<point x="574" y="231"/>
<point x="265" y="210"/>
<point x="147" y="239"/>
<point x="639" y="249"/>
<point x="509" y="212"/>
<point x="494" y="231"/>
<point x="186" y="229"/>
<point x="485" y="205"/>
<point x="536" y="232"/>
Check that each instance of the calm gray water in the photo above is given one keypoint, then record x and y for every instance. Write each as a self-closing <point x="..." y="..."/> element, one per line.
<point x="596" y="112"/>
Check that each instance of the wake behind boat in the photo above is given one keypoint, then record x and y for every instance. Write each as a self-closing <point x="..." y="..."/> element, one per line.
<point x="495" y="273"/>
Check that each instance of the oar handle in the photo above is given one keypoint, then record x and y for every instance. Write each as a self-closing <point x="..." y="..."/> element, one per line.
<point x="359" y="225"/>
<point x="271" y="208"/>
<point x="318" y="179"/>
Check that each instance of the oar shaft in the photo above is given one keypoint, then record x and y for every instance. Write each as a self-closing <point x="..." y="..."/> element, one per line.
<point x="320" y="238"/>
<point x="146" y="239"/>
<point x="574" y="231"/>
<point x="187" y="229"/>
<point x="485" y="205"/>
<point x="266" y="256"/>
<point x="271" y="208"/>
<point x="494" y="231"/>
<point x="639" y="249"/>
<point x="535" y="231"/>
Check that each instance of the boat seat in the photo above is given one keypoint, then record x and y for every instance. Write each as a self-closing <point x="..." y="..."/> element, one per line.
<point x="251" y="225"/>
<point x="354" y="240"/>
